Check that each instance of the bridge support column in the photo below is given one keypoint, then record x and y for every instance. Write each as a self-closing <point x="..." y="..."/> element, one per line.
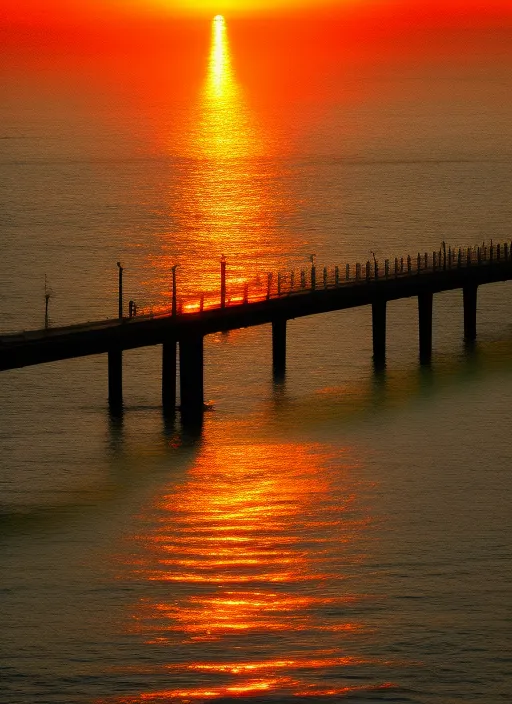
<point x="115" y="378"/>
<point x="191" y="377"/>
<point x="169" y="376"/>
<point x="469" y="297"/>
<point x="379" y="332"/>
<point x="278" y="347"/>
<point x="425" y="302"/>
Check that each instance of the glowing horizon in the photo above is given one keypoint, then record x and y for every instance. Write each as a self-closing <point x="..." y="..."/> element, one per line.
<point x="57" y="11"/>
<point x="204" y="8"/>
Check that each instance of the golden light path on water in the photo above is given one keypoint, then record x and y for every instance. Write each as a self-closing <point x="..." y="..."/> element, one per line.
<point x="242" y="559"/>
<point x="241" y="563"/>
<point x="226" y="194"/>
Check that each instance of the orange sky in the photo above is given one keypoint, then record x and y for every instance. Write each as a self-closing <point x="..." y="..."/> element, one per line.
<point x="50" y="11"/>
<point x="105" y="24"/>
<point x="293" y="43"/>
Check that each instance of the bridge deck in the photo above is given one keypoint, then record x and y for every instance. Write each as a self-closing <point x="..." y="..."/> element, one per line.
<point x="51" y="344"/>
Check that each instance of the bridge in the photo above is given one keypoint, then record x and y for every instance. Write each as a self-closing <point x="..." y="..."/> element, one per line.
<point x="287" y="296"/>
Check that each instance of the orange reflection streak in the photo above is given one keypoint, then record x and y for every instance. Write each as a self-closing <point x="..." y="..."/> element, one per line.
<point x="247" y="688"/>
<point x="238" y="556"/>
<point x="251" y="687"/>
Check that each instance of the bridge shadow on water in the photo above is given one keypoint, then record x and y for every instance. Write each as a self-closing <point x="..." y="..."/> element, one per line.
<point x="388" y="388"/>
<point x="163" y="444"/>
<point x="384" y="387"/>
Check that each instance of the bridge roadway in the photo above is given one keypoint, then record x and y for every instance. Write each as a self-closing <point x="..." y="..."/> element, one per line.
<point x="114" y="336"/>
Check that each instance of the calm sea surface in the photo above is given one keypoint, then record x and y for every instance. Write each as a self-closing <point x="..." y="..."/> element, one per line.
<point x="340" y="534"/>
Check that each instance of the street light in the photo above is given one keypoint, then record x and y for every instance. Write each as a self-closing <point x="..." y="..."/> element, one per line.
<point x="312" y="258"/>
<point x="120" y="267"/>
<point x="375" y="263"/>
<point x="47" y="293"/>
<point x="223" y="281"/>
<point x="173" y="269"/>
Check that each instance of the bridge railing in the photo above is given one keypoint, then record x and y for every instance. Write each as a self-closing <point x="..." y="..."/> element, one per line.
<point x="296" y="282"/>
<point x="293" y="282"/>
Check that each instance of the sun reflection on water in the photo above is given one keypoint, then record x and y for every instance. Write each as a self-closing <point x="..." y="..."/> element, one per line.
<point x="227" y="192"/>
<point x="243" y="567"/>
<point x="221" y="79"/>
<point x="226" y="128"/>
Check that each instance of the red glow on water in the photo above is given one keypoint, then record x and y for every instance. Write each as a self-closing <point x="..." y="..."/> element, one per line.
<point x="232" y="535"/>
<point x="247" y="688"/>
<point x="343" y="691"/>
<point x="253" y="687"/>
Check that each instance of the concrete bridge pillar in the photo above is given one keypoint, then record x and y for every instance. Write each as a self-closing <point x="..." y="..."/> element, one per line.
<point x="469" y="297"/>
<point x="191" y="377"/>
<point x="379" y="331"/>
<point x="169" y="376"/>
<point x="425" y="301"/>
<point x="115" y="378"/>
<point x="279" y="347"/>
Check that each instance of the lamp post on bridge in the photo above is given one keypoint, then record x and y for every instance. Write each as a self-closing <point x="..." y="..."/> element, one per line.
<point x="174" y="300"/>
<point x="47" y="294"/>
<point x="312" y="258"/>
<point x="375" y="264"/>
<point x="120" y="289"/>
<point x="223" y="281"/>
